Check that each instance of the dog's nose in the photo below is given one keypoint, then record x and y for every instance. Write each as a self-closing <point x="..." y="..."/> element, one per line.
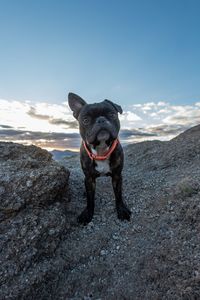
<point x="101" y="120"/>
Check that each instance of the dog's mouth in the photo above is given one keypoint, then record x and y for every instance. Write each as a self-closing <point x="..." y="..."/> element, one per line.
<point x="103" y="135"/>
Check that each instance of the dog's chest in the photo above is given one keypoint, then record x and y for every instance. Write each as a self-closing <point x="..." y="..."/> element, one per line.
<point x="102" y="166"/>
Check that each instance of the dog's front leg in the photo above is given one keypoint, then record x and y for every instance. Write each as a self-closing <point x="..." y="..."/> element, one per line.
<point x="86" y="216"/>
<point x="122" y="210"/>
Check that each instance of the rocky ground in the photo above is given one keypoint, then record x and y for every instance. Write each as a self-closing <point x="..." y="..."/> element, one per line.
<point x="154" y="256"/>
<point x="157" y="254"/>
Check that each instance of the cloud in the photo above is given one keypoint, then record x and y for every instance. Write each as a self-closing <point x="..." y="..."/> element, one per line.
<point x="52" y="117"/>
<point x="44" y="124"/>
<point x="166" y="130"/>
<point x="34" y="135"/>
<point x="57" y="121"/>
<point x="43" y="139"/>
<point x="165" y="113"/>
<point x="187" y="115"/>
<point x="127" y="133"/>
<point x="9" y="132"/>
<point x="5" y="126"/>
<point x="53" y="126"/>
<point x="129" y="116"/>
<point x="161" y="132"/>
<point x="69" y="124"/>
<point x="149" y="106"/>
<point x="161" y="120"/>
<point x="33" y="114"/>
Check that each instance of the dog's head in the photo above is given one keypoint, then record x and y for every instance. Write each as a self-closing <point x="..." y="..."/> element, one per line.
<point x="97" y="122"/>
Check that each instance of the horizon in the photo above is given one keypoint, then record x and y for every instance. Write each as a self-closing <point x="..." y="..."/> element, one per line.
<point x="142" y="55"/>
<point x="52" y="126"/>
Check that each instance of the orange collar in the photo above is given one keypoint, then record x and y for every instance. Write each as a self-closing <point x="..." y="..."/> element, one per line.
<point x="93" y="156"/>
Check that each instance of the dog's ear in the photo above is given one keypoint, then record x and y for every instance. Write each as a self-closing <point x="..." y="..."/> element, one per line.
<point x="75" y="103"/>
<point x="116" y="106"/>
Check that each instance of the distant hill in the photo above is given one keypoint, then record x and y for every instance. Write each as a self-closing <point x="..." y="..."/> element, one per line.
<point x="59" y="155"/>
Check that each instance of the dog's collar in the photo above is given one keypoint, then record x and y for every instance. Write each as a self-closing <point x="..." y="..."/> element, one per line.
<point x="93" y="156"/>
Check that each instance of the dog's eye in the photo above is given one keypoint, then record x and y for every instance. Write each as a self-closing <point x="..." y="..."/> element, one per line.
<point x="86" y="121"/>
<point x="112" y="115"/>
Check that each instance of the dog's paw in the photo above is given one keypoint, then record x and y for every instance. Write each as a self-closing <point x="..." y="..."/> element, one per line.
<point x="85" y="217"/>
<point x="123" y="212"/>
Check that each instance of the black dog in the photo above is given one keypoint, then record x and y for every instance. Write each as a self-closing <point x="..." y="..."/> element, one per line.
<point x="101" y="152"/>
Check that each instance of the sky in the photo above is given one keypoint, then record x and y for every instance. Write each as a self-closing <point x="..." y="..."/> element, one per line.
<point x="143" y="55"/>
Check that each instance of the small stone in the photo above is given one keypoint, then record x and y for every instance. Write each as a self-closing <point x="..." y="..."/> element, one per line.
<point x="52" y="231"/>
<point x="103" y="252"/>
<point x="29" y="183"/>
<point x="2" y="190"/>
<point x="115" y="237"/>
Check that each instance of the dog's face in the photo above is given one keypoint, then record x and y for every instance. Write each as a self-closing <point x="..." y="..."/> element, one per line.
<point x="97" y="122"/>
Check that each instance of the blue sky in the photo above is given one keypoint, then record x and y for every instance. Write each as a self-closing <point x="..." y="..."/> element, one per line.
<point x="144" y="55"/>
<point x="127" y="51"/>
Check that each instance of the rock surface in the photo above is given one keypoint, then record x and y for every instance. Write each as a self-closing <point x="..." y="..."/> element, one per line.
<point x="154" y="256"/>
<point x="32" y="220"/>
<point x="157" y="254"/>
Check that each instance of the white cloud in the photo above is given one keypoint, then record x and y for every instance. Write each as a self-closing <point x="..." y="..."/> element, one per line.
<point x="163" y="119"/>
<point x="129" y="116"/>
<point x="183" y="115"/>
<point x="154" y="115"/>
<point x="164" y="111"/>
<point x="147" y="121"/>
<point x="162" y="103"/>
<point x="16" y="114"/>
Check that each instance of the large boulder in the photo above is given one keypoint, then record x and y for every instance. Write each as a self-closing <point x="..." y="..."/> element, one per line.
<point x="33" y="195"/>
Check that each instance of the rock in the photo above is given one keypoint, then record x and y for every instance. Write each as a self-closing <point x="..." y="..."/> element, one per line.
<point x="33" y="194"/>
<point x="154" y="256"/>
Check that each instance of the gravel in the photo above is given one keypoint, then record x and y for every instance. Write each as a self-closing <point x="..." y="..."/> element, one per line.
<point x="154" y="256"/>
<point x="157" y="254"/>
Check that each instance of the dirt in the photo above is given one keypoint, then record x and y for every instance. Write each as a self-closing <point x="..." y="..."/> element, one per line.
<point x="46" y="254"/>
<point x="157" y="254"/>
